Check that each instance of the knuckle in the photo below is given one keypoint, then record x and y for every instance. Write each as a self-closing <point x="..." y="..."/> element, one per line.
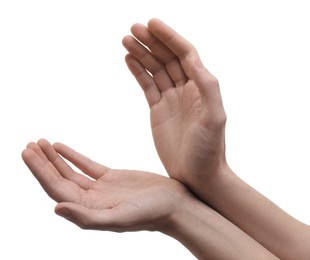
<point x="213" y="81"/>
<point x="219" y="119"/>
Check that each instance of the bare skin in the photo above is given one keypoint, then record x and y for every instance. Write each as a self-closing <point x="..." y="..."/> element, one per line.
<point x="123" y="200"/>
<point x="188" y="124"/>
<point x="184" y="99"/>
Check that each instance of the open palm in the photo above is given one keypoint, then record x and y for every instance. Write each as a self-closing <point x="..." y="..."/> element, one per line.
<point x="187" y="114"/>
<point x="104" y="199"/>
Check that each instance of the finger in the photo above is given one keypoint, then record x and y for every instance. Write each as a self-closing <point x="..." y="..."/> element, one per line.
<point x="49" y="178"/>
<point x="144" y="79"/>
<point x="62" y="167"/>
<point x="189" y="58"/>
<point x="174" y="42"/>
<point x="86" y="165"/>
<point x="87" y="218"/>
<point x="149" y="62"/>
<point x="36" y="148"/>
<point x="161" y="52"/>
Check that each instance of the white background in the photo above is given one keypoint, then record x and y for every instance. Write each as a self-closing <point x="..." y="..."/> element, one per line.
<point x="63" y="77"/>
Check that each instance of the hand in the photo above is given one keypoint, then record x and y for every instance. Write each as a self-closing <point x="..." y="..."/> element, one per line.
<point x="121" y="200"/>
<point x="105" y="199"/>
<point x="188" y="124"/>
<point x="187" y="114"/>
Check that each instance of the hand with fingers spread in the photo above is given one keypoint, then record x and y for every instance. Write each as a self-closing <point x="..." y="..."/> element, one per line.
<point x="187" y="115"/>
<point x="123" y="200"/>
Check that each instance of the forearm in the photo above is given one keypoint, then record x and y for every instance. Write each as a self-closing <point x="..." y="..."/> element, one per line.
<point x="276" y="230"/>
<point x="208" y="235"/>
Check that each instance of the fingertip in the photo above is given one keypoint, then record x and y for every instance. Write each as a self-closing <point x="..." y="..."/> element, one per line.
<point x="60" y="147"/>
<point x="57" y="145"/>
<point x="133" y="65"/>
<point x="31" y="145"/>
<point x="131" y="61"/>
<point x="43" y="142"/>
<point x="127" y="57"/>
<point x="138" y="30"/>
<point x="29" y="157"/>
<point x="77" y="214"/>
<point x="136" y="26"/>
<point x="154" y="21"/>
<point x="26" y="153"/>
<point x="62" y="211"/>
<point x="126" y="39"/>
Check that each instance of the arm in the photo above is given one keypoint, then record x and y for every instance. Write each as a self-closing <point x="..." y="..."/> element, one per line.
<point x="208" y="235"/>
<point x="121" y="200"/>
<point x="188" y="125"/>
<point x="259" y="217"/>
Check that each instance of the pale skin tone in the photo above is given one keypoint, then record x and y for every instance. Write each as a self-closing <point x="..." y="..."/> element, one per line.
<point x="188" y="125"/>
<point x="123" y="200"/>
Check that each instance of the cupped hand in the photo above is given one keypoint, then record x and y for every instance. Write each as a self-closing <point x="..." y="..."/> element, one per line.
<point x="102" y="198"/>
<point x="187" y="114"/>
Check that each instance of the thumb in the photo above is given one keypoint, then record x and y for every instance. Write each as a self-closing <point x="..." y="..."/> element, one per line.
<point x="209" y="90"/>
<point x="84" y="217"/>
<point x="206" y="82"/>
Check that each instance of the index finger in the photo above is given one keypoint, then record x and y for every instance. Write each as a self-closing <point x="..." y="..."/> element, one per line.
<point x="86" y="165"/>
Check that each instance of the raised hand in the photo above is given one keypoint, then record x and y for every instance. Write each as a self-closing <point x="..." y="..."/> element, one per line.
<point x="188" y="124"/>
<point x="187" y="114"/>
<point x="103" y="198"/>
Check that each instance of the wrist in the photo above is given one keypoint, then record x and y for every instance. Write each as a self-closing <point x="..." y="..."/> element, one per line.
<point x="209" y="186"/>
<point x="179" y="209"/>
<point x="208" y="235"/>
<point x="250" y="211"/>
<point x="187" y="225"/>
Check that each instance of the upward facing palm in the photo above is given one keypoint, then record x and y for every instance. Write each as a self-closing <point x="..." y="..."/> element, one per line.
<point x="187" y="115"/>
<point x="103" y="198"/>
